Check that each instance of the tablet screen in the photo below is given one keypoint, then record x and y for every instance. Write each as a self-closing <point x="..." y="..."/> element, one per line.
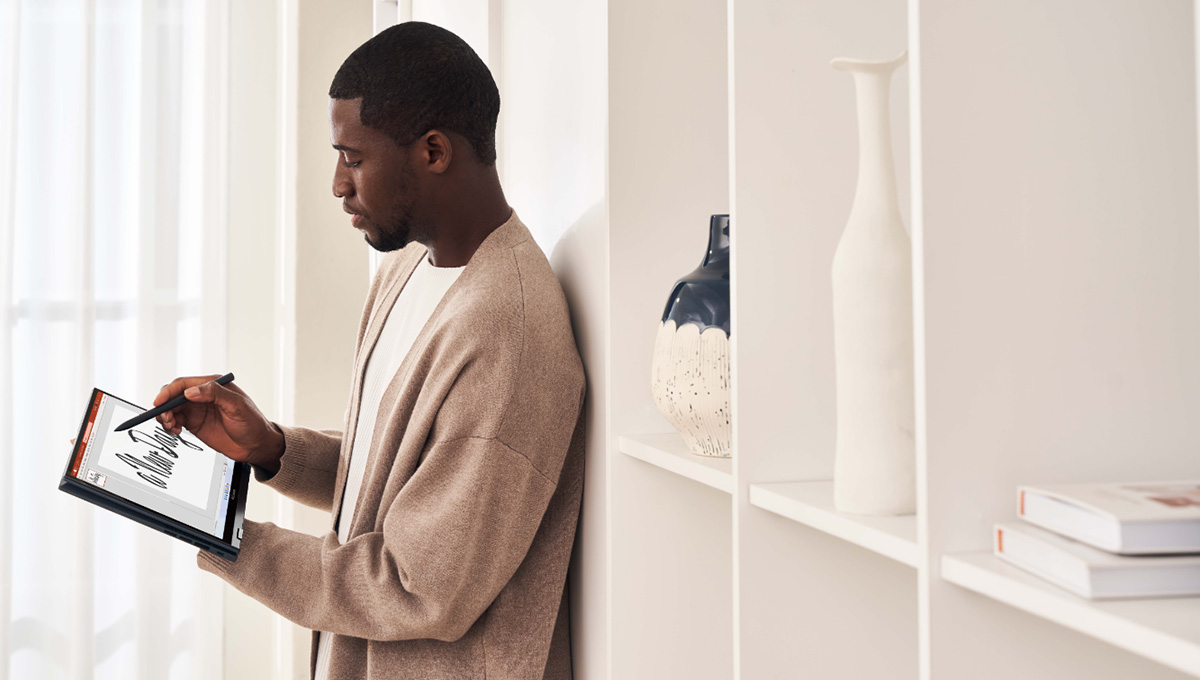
<point x="176" y="476"/>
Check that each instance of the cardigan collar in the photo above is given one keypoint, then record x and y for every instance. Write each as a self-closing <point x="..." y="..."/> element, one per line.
<point x="507" y="235"/>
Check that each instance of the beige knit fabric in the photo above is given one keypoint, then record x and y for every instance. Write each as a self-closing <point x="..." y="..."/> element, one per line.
<point x="458" y="551"/>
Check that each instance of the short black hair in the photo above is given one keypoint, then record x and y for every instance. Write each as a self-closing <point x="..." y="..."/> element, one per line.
<point x="414" y="77"/>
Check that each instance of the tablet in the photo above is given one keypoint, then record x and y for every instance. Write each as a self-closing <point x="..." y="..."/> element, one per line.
<point x="173" y="483"/>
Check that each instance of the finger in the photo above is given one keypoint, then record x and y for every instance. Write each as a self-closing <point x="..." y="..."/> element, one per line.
<point x="162" y="418"/>
<point x="190" y="416"/>
<point x="187" y="415"/>
<point x="171" y="419"/>
<point x="230" y="403"/>
<point x="177" y="386"/>
<point x="161" y="397"/>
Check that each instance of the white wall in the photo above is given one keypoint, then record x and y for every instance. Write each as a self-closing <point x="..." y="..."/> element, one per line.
<point x="553" y="75"/>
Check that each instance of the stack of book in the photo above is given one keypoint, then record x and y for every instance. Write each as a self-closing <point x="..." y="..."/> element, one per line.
<point x="1104" y="541"/>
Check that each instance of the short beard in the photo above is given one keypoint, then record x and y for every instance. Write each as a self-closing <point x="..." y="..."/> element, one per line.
<point x="391" y="239"/>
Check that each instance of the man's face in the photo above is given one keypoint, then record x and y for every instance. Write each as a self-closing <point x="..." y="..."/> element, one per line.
<point x="374" y="178"/>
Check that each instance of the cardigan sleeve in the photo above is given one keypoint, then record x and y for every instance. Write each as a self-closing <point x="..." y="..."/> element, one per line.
<point x="451" y="540"/>
<point x="308" y="469"/>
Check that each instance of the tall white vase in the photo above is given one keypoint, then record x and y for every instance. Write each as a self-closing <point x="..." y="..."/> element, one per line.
<point x="875" y="464"/>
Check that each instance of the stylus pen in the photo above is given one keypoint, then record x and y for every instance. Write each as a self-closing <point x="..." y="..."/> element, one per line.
<point x="177" y="401"/>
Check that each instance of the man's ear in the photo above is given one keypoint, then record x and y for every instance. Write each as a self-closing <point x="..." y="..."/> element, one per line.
<point x="437" y="151"/>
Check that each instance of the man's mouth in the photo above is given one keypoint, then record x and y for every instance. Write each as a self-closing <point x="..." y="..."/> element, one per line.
<point x="355" y="217"/>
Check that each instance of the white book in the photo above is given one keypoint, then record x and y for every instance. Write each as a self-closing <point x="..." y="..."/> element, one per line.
<point x="1092" y="573"/>
<point x="1131" y="519"/>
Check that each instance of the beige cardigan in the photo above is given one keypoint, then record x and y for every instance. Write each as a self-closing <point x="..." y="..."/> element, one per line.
<point x="457" y="557"/>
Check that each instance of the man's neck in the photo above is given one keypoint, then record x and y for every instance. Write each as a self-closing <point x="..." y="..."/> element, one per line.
<point x="467" y="222"/>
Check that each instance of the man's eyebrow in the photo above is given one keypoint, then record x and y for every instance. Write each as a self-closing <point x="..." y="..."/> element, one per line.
<point x="341" y="147"/>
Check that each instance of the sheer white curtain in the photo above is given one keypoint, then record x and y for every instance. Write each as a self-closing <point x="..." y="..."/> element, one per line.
<point x="112" y="241"/>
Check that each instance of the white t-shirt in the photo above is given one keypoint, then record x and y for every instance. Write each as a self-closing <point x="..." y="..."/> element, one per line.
<point x="413" y="307"/>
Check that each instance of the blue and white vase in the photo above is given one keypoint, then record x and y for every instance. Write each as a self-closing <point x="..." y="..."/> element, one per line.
<point x="690" y="370"/>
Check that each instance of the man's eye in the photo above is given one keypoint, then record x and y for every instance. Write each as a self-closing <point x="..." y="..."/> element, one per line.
<point x="355" y="164"/>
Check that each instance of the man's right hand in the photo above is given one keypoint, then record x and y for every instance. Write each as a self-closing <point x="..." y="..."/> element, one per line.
<point x="223" y="417"/>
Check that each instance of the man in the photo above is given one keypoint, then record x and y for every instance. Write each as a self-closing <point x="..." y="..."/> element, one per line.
<point x="455" y="486"/>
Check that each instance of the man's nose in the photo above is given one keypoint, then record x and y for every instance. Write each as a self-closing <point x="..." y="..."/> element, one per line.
<point x="342" y="187"/>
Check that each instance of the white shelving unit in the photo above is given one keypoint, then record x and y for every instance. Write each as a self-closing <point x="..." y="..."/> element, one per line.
<point x="811" y="504"/>
<point x="669" y="452"/>
<point x="1165" y="630"/>
<point x="1046" y="155"/>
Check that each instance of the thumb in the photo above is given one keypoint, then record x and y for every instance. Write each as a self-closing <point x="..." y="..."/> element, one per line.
<point x="226" y="400"/>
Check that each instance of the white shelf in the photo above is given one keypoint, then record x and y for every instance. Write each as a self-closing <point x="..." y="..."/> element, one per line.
<point x="669" y="452"/>
<point x="1055" y="374"/>
<point x="811" y="504"/>
<point x="1165" y="630"/>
